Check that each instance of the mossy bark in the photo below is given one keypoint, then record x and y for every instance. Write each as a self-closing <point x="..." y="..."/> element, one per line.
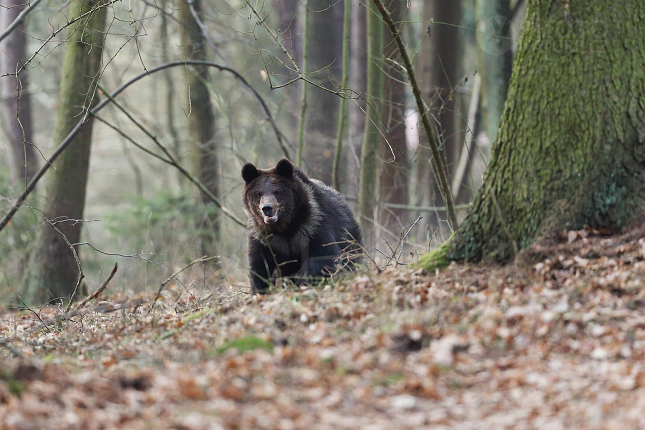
<point x="570" y="147"/>
<point x="53" y="270"/>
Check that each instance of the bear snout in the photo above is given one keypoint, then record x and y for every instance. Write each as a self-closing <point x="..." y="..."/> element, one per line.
<point x="269" y="208"/>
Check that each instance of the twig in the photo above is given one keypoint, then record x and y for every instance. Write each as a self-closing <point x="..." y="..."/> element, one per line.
<point x="66" y="142"/>
<point x="438" y="165"/>
<point x="398" y="249"/>
<point x="29" y="309"/>
<point x="77" y="312"/>
<point x="282" y="138"/>
<point x="19" y="19"/>
<point x="99" y="290"/>
<point x="179" y="167"/>
<point x="163" y="284"/>
<point x="81" y="275"/>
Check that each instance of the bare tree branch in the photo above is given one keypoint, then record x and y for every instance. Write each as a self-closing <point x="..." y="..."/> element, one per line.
<point x="19" y="19"/>
<point x="438" y="164"/>
<point x="175" y="163"/>
<point x="65" y="143"/>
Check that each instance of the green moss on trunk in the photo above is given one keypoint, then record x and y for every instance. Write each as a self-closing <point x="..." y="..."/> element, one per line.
<point x="53" y="271"/>
<point x="570" y="146"/>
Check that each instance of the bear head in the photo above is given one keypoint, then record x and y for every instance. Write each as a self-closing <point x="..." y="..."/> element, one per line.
<point x="273" y="198"/>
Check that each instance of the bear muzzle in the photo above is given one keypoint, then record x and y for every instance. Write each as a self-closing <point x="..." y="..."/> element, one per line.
<point x="270" y="213"/>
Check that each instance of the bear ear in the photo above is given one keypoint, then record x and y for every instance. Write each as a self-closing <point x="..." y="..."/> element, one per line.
<point x="284" y="168"/>
<point x="249" y="172"/>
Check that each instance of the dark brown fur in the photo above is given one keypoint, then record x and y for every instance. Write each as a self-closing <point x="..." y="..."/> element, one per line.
<point x="297" y="227"/>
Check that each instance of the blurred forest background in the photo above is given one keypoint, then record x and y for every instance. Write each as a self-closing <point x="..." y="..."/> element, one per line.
<point x="277" y="78"/>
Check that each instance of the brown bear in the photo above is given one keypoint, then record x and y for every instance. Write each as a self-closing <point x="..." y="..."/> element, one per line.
<point x="298" y="227"/>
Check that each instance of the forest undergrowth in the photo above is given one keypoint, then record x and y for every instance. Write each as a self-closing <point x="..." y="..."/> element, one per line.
<point x="555" y="339"/>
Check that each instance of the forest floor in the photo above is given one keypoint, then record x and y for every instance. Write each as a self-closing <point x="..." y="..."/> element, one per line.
<point x="554" y="340"/>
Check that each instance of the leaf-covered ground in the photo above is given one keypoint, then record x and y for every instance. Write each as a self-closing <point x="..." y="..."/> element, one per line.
<point x="554" y="340"/>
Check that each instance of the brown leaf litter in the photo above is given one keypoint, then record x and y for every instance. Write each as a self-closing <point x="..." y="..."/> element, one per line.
<point x="553" y="340"/>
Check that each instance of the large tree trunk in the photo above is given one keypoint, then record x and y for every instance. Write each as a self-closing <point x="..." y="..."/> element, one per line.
<point x="570" y="148"/>
<point x="201" y="120"/>
<point x="53" y="269"/>
<point x="16" y="100"/>
<point x="394" y="171"/>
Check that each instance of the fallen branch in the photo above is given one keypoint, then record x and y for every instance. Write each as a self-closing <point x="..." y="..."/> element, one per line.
<point x="99" y="290"/>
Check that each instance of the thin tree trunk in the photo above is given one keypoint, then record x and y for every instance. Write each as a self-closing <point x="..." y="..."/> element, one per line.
<point x="170" y="92"/>
<point x="394" y="172"/>
<point x="201" y="120"/>
<point x="569" y="150"/>
<point x="438" y="63"/>
<point x="373" y="123"/>
<point x="16" y="100"/>
<point x="357" y="82"/>
<point x="290" y="23"/>
<point x="53" y="270"/>
<point x="494" y="58"/>
<point x="304" y="86"/>
<point x="325" y="36"/>
<point x="342" y="115"/>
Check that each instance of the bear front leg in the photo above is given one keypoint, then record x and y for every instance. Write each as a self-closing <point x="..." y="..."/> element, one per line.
<point x="262" y="267"/>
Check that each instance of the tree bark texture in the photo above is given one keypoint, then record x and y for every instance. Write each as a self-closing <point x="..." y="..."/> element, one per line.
<point x="16" y="100"/>
<point x="570" y="147"/>
<point x="341" y="124"/>
<point x="438" y="64"/>
<point x="201" y="120"/>
<point x="357" y="82"/>
<point x="325" y="60"/>
<point x="290" y="27"/>
<point x="373" y="124"/>
<point x="304" y="86"/>
<point x="494" y="59"/>
<point x="53" y="270"/>
<point x="394" y="171"/>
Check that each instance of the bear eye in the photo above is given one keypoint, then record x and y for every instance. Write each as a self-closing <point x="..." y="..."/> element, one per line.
<point x="277" y="192"/>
